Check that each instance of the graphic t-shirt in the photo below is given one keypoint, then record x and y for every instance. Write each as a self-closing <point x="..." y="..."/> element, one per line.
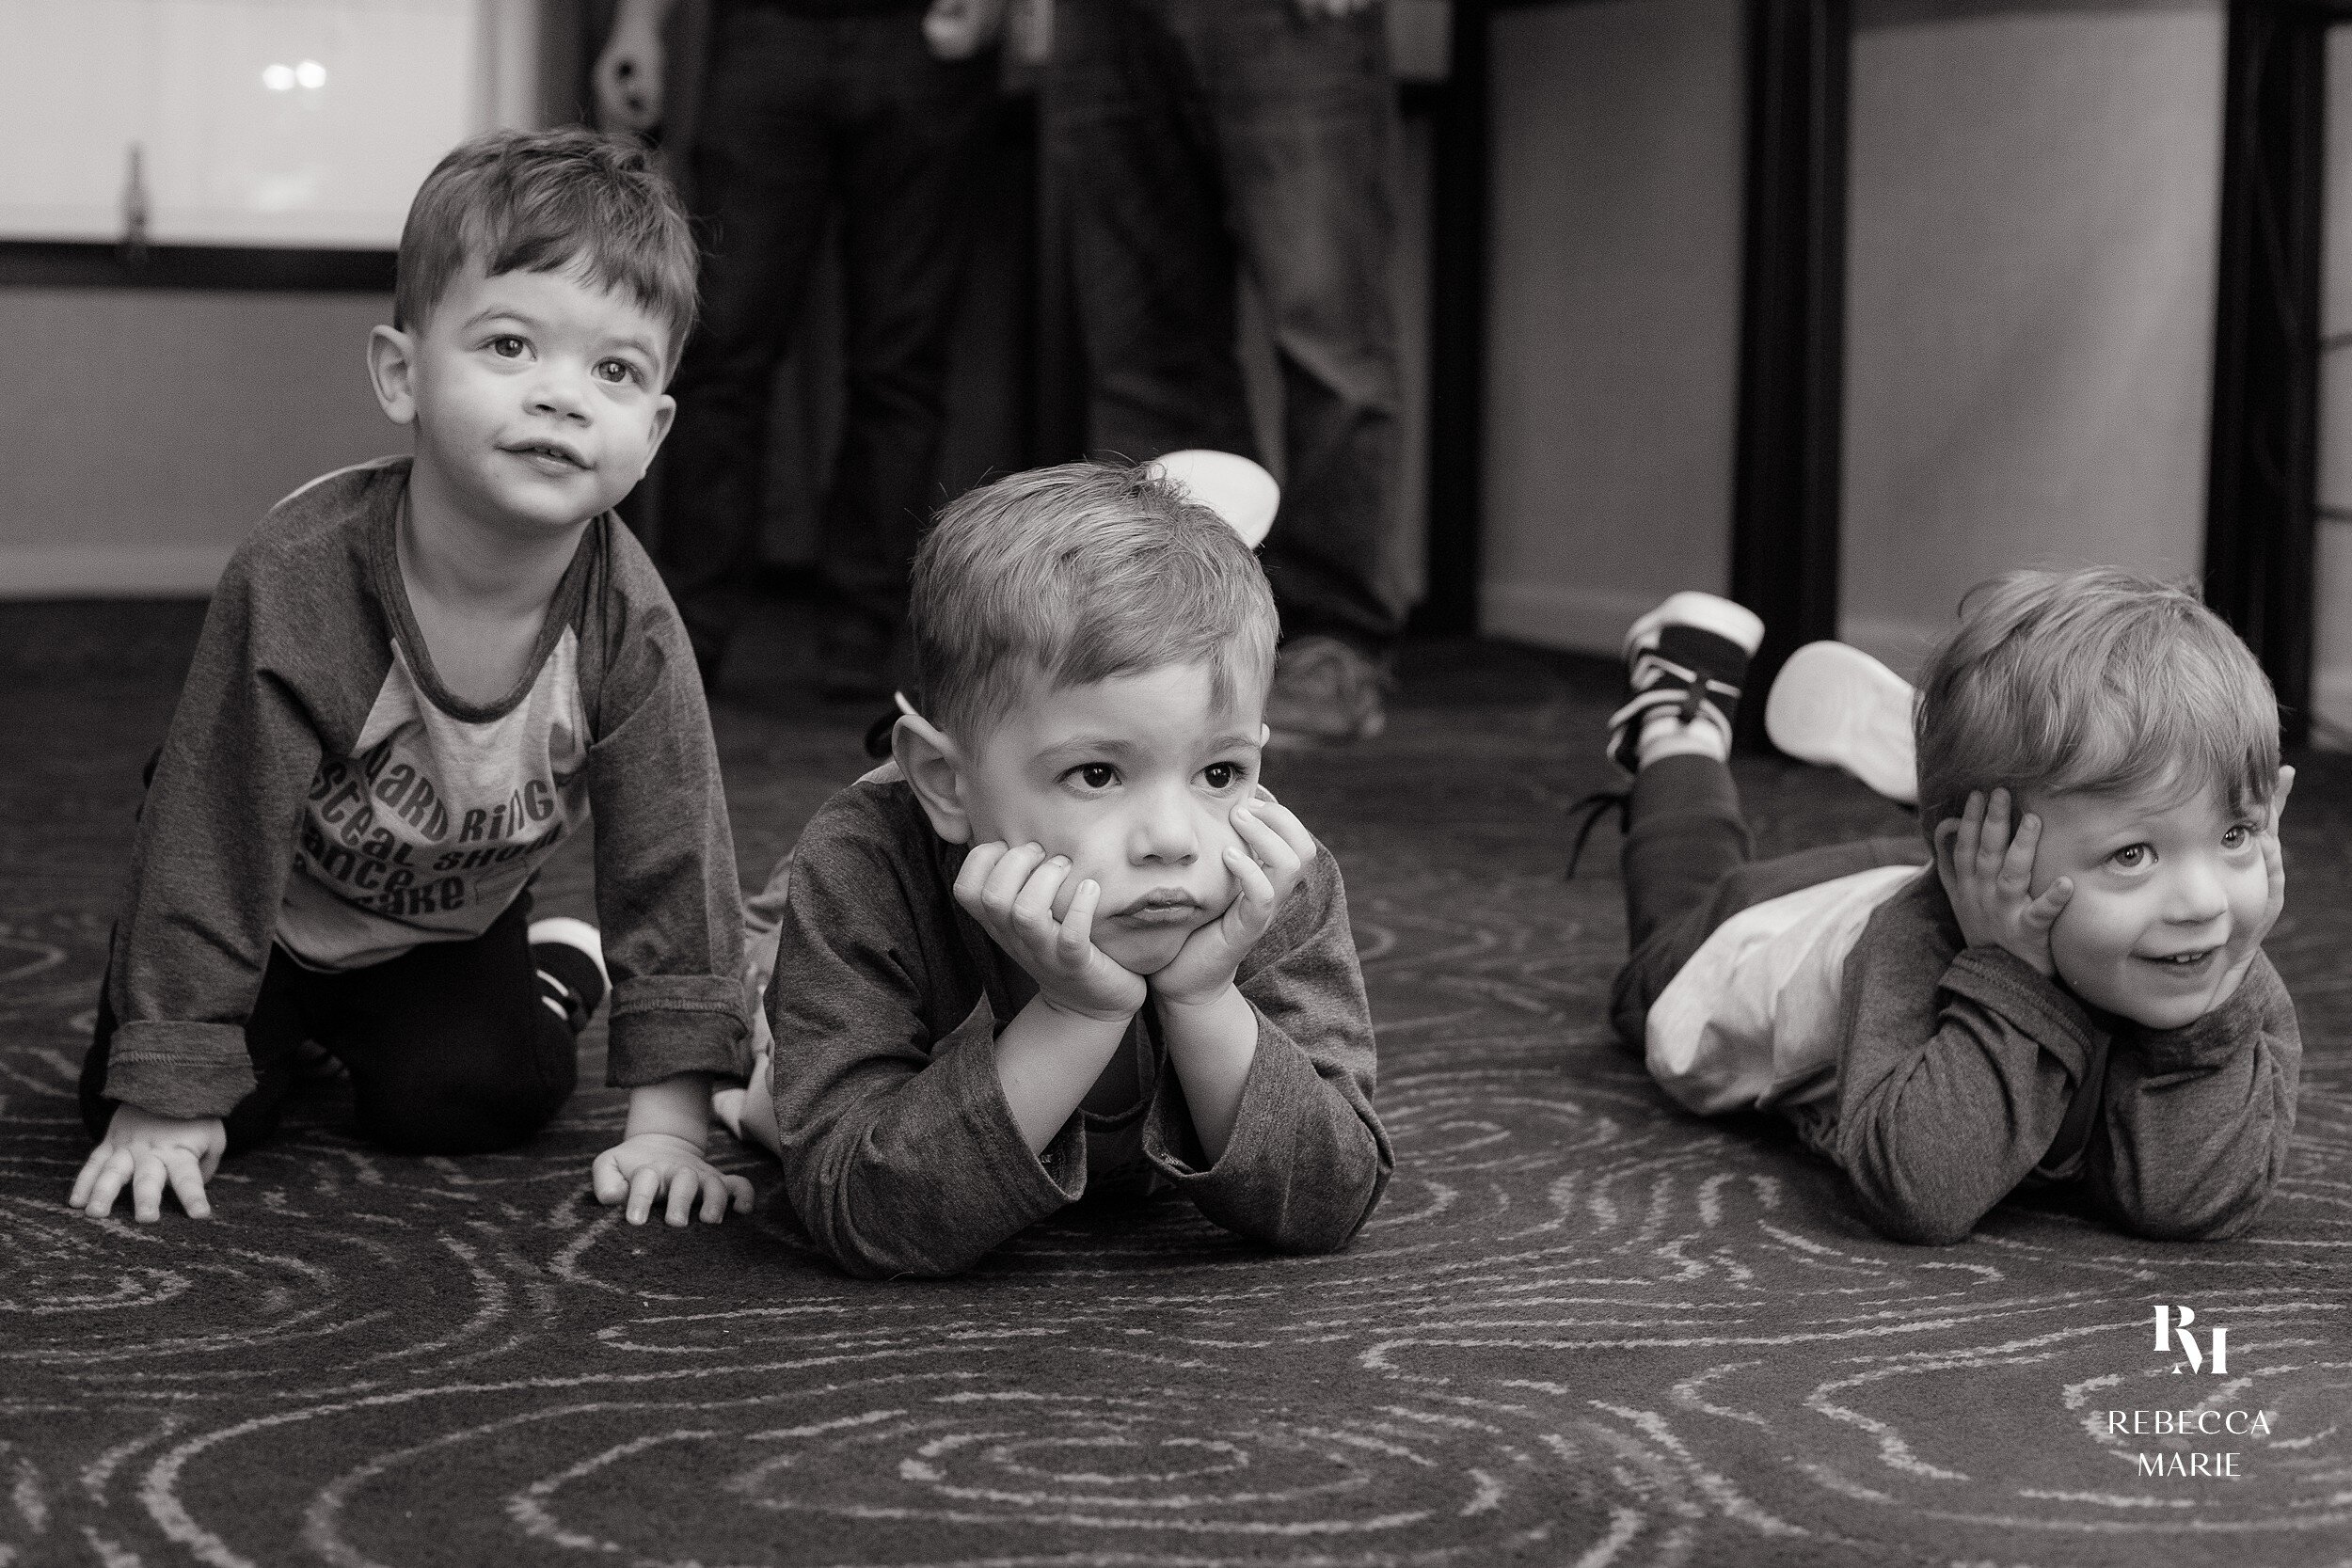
<point x="429" y="829"/>
<point x="321" y="790"/>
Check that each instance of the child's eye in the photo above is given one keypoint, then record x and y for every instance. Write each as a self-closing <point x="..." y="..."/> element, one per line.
<point x="2132" y="857"/>
<point x="1095" y="775"/>
<point x="2236" y="837"/>
<point x="1222" y="776"/>
<point x="507" y="348"/>
<point x="616" y="370"/>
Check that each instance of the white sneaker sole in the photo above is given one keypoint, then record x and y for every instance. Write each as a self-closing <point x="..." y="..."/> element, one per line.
<point x="1835" y="706"/>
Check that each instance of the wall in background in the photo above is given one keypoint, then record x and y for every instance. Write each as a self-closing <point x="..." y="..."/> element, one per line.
<point x="2034" y="202"/>
<point x="2331" y="675"/>
<point x="1614" y="332"/>
<point x="162" y="425"/>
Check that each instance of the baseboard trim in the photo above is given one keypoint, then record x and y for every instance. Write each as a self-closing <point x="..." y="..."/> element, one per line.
<point x="111" y="572"/>
<point x="1576" y="619"/>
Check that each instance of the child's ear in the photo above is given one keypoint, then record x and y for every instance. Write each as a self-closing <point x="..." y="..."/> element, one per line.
<point x="1946" y="834"/>
<point x="665" y="412"/>
<point x="391" y="370"/>
<point x="935" y="769"/>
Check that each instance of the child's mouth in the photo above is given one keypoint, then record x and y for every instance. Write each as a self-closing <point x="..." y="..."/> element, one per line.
<point x="1161" y="910"/>
<point x="548" y="456"/>
<point x="2191" y="962"/>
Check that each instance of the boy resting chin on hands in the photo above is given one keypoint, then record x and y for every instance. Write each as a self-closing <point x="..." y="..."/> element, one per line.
<point x="1066" y="942"/>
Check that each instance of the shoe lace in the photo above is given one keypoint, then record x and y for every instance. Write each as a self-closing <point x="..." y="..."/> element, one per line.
<point x="1600" y="803"/>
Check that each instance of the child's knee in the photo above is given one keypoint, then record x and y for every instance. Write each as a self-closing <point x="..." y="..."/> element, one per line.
<point x="474" y="1113"/>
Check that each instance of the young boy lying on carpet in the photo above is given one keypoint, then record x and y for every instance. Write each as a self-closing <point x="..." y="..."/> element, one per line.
<point x="1065" y="943"/>
<point x="416" y="677"/>
<point x="2076" y="994"/>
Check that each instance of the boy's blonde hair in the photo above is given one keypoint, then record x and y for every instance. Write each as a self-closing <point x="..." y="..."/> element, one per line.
<point x="545" y="201"/>
<point x="1078" y="574"/>
<point x="2095" y="681"/>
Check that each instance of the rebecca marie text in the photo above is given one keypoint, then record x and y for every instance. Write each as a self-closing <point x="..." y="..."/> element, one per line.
<point x="2187" y="1423"/>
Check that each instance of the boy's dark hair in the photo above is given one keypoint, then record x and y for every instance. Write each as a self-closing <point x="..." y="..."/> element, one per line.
<point x="545" y="201"/>
<point x="1074" y="575"/>
<point x="2095" y="681"/>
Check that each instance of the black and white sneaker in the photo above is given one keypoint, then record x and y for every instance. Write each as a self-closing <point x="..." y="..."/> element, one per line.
<point x="1690" y="657"/>
<point x="569" y="959"/>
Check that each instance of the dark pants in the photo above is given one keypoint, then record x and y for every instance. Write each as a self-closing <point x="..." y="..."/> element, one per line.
<point x="1687" y="869"/>
<point x="802" y="117"/>
<point x="451" y="1048"/>
<point x="1188" y="137"/>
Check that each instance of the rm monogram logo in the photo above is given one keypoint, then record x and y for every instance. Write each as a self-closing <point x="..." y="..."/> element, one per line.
<point x="2173" y="1328"/>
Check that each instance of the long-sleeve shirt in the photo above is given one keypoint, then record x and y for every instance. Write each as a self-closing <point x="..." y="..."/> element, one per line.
<point x="1962" y="1072"/>
<point x="321" y="790"/>
<point x="900" y="1155"/>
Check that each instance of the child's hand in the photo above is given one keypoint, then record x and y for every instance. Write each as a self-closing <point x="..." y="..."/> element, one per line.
<point x="1988" y="875"/>
<point x="638" y="1168"/>
<point x="1279" y="847"/>
<point x="1011" y="892"/>
<point x="2244" y="944"/>
<point x="148" y="1152"/>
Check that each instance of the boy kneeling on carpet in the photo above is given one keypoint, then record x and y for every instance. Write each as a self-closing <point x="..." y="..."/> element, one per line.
<point x="416" y="677"/>
<point x="1065" y="943"/>
<point x="2075" y="994"/>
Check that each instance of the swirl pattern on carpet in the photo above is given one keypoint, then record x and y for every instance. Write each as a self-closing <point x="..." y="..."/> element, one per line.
<point x="1582" y="1328"/>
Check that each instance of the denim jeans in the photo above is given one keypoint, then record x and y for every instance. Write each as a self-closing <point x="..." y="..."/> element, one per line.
<point x="1188" y="138"/>
<point x="802" y="116"/>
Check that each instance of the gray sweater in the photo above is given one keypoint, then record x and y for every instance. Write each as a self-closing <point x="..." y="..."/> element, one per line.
<point x="900" y="1155"/>
<point x="309" y="794"/>
<point x="1965" y="1073"/>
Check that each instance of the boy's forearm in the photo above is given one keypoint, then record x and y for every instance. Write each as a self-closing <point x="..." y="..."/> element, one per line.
<point x="678" y="1106"/>
<point x="1211" y="1044"/>
<point x="1046" y="1061"/>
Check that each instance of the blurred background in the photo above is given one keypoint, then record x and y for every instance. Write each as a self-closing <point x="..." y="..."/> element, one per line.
<point x="1839" y="306"/>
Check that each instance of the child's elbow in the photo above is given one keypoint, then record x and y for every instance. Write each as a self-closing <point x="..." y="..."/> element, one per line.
<point x="2187" y="1218"/>
<point x="1924" y="1226"/>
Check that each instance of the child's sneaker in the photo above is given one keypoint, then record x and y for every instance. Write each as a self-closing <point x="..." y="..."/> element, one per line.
<point x="570" y="958"/>
<point x="1689" y="655"/>
<point x="1835" y="706"/>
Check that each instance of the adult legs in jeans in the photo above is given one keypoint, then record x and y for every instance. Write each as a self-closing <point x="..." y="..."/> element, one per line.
<point x="1191" y="136"/>
<point x="450" y="1046"/>
<point x="803" y="114"/>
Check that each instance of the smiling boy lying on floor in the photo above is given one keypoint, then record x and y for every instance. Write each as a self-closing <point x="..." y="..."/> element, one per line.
<point x="1066" y="942"/>
<point x="2077" y="996"/>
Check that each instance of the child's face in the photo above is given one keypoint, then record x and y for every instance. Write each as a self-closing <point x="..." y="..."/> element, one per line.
<point x="536" y="397"/>
<point x="2161" y="881"/>
<point x="1135" y="779"/>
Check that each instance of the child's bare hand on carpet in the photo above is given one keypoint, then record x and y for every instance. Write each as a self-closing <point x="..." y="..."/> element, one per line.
<point x="1988" y="875"/>
<point x="641" y="1169"/>
<point x="148" y="1152"/>
<point x="1277" y="847"/>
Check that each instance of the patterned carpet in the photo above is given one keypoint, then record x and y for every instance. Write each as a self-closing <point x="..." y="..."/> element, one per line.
<point x="1582" y="1329"/>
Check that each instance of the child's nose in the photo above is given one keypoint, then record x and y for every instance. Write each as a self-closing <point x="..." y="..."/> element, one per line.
<point x="2196" y="894"/>
<point x="558" y="393"/>
<point x="1165" y="831"/>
